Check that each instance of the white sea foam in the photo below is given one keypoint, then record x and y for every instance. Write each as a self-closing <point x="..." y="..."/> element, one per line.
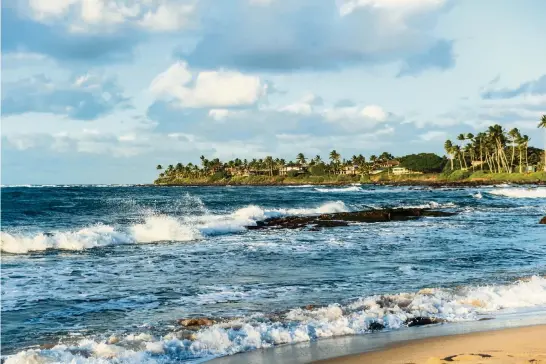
<point x="299" y="325"/>
<point x="344" y="189"/>
<point x="154" y="228"/>
<point x="91" y="237"/>
<point x="520" y="192"/>
<point x="478" y="195"/>
<point x="429" y="205"/>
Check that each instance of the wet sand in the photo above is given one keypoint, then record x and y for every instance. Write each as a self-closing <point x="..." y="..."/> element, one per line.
<point x="513" y="345"/>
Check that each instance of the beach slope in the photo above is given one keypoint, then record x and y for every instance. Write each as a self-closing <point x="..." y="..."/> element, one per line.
<point x="515" y="345"/>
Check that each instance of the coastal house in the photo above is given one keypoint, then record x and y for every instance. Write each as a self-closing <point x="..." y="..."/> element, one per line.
<point x="350" y="170"/>
<point x="283" y="171"/>
<point x="387" y="164"/>
<point x="397" y="171"/>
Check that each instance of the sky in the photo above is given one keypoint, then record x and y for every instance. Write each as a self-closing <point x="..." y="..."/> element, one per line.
<point x="101" y="91"/>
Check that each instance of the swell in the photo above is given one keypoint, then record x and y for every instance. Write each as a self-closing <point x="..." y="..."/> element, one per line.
<point x="154" y="228"/>
<point x="363" y="315"/>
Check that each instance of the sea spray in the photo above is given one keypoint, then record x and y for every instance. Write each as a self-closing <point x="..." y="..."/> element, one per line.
<point x="389" y="311"/>
<point x="154" y="228"/>
<point x="539" y="192"/>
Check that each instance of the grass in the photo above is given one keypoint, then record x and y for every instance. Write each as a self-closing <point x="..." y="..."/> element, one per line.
<point x="456" y="176"/>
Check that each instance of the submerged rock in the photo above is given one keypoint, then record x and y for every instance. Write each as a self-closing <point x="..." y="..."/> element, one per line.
<point x="196" y="323"/>
<point x="421" y="321"/>
<point x="543" y="221"/>
<point x="314" y="223"/>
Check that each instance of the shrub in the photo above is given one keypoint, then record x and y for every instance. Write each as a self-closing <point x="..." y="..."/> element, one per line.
<point x="292" y="174"/>
<point x="459" y="175"/>
<point x="218" y="176"/>
<point x="317" y="170"/>
<point x="365" y="178"/>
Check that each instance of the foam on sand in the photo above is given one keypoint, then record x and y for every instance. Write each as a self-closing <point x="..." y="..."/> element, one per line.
<point x="154" y="228"/>
<point x="520" y="192"/>
<point x="391" y="311"/>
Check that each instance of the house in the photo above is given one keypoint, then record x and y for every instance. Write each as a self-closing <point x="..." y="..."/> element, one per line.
<point x="531" y="169"/>
<point x="403" y="170"/>
<point x="350" y="170"/>
<point x="283" y="171"/>
<point x="387" y="164"/>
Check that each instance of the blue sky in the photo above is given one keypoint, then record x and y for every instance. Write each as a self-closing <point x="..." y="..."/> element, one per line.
<point x="101" y="91"/>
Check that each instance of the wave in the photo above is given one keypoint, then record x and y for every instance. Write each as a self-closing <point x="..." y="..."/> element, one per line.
<point x="520" y="192"/>
<point x="391" y="311"/>
<point x="344" y="189"/>
<point x="154" y="228"/>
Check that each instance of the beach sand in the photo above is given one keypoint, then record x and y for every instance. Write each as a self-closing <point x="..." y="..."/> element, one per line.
<point x="516" y="345"/>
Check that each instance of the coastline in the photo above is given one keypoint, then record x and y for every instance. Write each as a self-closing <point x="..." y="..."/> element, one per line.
<point x="511" y="345"/>
<point x="409" y="183"/>
<point x="382" y="347"/>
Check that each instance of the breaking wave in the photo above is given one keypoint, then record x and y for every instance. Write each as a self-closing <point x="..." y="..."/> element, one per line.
<point x="227" y="337"/>
<point x="520" y="192"/>
<point x="344" y="189"/>
<point x="154" y="228"/>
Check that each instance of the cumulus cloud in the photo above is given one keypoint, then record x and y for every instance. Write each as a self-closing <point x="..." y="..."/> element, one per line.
<point x="306" y="34"/>
<point x="106" y="15"/>
<point x="85" y="97"/>
<point x="207" y="88"/>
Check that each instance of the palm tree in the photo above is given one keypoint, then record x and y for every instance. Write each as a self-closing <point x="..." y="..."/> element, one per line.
<point x="462" y="138"/>
<point x="542" y="125"/>
<point x="301" y="159"/>
<point x="159" y="167"/>
<point x="448" y="146"/>
<point x="514" y="135"/>
<point x="335" y="158"/>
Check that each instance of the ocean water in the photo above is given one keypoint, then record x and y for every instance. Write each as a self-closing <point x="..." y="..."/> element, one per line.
<point x="95" y="274"/>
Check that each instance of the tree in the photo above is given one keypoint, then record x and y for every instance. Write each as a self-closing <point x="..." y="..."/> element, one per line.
<point x="301" y="159"/>
<point x="159" y="167"/>
<point x="462" y="138"/>
<point x="335" y="158"/>
<point x="448" y="146"/>
<point x="423" y="162"/>
<point x="542" y="125"/>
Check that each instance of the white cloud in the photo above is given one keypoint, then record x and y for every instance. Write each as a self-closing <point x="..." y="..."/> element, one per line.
<point x="167" y="17"/>
<point x="401" y="7"/>
<point x="105" y="15"/>
<point x="433" y="135"/>
<point x="216" y="89"/>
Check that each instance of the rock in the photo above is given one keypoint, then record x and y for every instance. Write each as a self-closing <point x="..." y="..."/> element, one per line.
<point x="185" y="335"/>
<point x="47" y="346"/>
<point x="112" y="340"/>
<point x="344" y="218"/>
<point x="309" y="307"/>
<point x="196" y="323"/>
<point x="375" y="326"/>
<point x="543" y="221"/>
<point x="421" y="321"/>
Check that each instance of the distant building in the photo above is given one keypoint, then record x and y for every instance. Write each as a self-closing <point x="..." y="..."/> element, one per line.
<point x="284" y="170"/>
<point x="403" y="170"/>
<point x="388" y="164"/>
<point x="531" y="169"/>
<point x="350" y="170"/>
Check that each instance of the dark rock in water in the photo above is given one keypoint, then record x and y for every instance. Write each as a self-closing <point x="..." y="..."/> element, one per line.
<point x="309" y="307"/>
<point x="421" y="321"/>
<point x="48" y="234"/>
<point x="543" y="221"/>
<point x="196" y="323"/>
<point x="375" y="326"/>
<point x="344" y="218"/>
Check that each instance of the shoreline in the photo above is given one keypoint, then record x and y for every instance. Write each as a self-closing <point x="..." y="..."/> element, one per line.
<point x="409" y="183"/>
<point x="361" y="348"/>
<point x="509" y="345"/>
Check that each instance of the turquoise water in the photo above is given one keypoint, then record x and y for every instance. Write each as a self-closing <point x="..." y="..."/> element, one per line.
<point x="99" y="274"/>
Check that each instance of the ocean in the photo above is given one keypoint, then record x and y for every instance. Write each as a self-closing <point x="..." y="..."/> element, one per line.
<point x="95" y="274"/>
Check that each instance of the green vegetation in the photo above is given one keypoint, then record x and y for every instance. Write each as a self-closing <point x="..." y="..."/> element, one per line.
<point x="493" y="155"/>
<point x="423" y="162"/>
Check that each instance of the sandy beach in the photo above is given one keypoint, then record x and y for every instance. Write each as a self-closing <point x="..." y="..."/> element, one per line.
<point x="515" y="345"/>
